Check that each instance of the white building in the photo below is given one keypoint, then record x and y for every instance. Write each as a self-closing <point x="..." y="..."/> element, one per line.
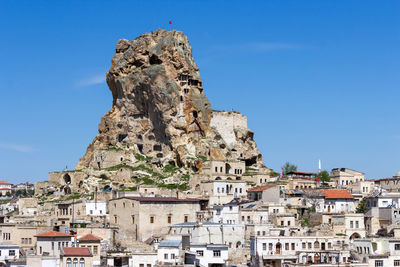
<point x="96" y="208"/>
<point x="8" y="252"/>
<point x="335" y="201"/>
<point x="169" y="252"/>
<point x="275" y="250"/>
<point x="228" y="213"/>
<point x="143" y="259"/>
<point x="215" y="255"/>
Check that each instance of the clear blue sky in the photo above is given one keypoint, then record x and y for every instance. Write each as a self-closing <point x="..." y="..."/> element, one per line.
<point x="316" y="79"/>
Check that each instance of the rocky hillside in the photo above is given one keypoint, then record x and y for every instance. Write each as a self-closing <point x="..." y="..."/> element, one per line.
<point x="160" y="110"/>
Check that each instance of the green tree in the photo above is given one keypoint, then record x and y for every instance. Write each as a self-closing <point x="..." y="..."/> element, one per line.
<point x="362" y="207"/>
<point x="288" y="167"/>
<point x="324" y="177"/>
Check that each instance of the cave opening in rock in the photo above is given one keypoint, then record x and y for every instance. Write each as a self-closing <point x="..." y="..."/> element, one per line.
<point x="67" y="179"/>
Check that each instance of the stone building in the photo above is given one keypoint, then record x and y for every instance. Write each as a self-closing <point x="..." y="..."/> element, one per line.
<point x="222" y="191"/>
<point x="50" y="243"/>
<point x="77" y="255"/>
<point x="344" y="177"/>
<point x="140" y="218"/>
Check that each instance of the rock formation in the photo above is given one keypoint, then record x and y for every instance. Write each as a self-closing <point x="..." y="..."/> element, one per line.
<point x="161" y="125"/>
<point x="160" y="108"/>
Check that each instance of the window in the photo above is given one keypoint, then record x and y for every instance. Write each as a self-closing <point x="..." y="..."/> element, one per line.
<point x="11" y="253"/>
<point x="286" y="246"/>
<point x="52" y="245"/>
<point x="264" y="246"/>
<point x="200" y="253"/>
<point x="293" y="246"/>
<point x="309" y="245"/>
<point x="151" y="219"/>
<point x="357" y="224"/>
<point x="316" y="244"/>
<point x="351" y="224"/>
<point x="303" y="245"/>
<point x="258" y="232"/>
<point x="270" y="246"/>
<point x="75" y="262"/>
<point x="186" y="218"/>
<point x="165" y="256"/>
<point x="95" y="250"/>
<point x="123" y="204"/>
<point x="69" y="262"/>
<point x="396" y="246"/>
<point x="172" y="256"/>
<point x="91" y="211"/>
<point x="263" y="232"/>
<point x="133" y="219"/>
<point x="217" y="253"/>
<point x="282" y="223"/>
<point x="115" y="219"/>
<point x="396" y="263"/>
<point x="141" y="265"/>
<point x="378" y="263"/>
<point x="216" y="169"/>
<point x="82" y="262"/>
<point x="169" y="218"/>
<point x="288" y="223"/>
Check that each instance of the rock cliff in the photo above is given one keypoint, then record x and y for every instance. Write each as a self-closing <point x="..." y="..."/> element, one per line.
<point x="160" y="109"/>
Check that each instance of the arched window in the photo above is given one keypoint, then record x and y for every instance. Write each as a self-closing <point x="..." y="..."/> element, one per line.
<point x="69" y="262"/>
<point x="316" y="244"/>
<point x="82" y="262"/>
<point x="75" y="263"/>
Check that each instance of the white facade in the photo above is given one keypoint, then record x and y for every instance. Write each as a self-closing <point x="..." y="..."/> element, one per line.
<point x="223" y="188"/>
<point x="8" y="252"/>
<point x="210" y="253"/>
<point x="169" y="255"/>
<point x="335" y="205"/>
<point x="299" y="249"/>
<point x="143" y="259"/>
<point x="96" y="208"/>
<point x="228" y="214"/>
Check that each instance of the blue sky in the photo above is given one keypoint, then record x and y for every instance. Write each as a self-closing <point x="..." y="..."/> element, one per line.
<point x="316" y="79"/>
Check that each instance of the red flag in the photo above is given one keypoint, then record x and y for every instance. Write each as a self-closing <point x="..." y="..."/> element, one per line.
<point x="283" y="174"/>
<point x="170" y="22"/>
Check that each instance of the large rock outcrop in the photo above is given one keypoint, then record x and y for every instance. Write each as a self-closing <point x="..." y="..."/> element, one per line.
<point x="160" y="109"/>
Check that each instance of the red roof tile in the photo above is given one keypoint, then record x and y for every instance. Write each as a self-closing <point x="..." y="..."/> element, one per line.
<point x="5" y="183"/>
<point x="76" y="252"/>
<point x="337" y="193"/>
<point x="90" y="237"/>
<point x="260" y="188"/>
<point x="53" y="234"/>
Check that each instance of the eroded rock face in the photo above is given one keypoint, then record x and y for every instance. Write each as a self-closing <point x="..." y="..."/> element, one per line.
<point x="160" y="110"/>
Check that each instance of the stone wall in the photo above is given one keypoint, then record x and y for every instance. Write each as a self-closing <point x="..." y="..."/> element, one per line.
<point x="226" y="122"/>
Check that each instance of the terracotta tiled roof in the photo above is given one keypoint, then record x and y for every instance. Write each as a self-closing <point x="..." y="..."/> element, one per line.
<point x="5" y="183"/>
<point x="260" y="188"/>
<point x="336" y="194"/>
<point x="53" y="234"/>
<point x="76" y="252"/>
<point x="164" y="199"/>
<point x="90" y="237"/>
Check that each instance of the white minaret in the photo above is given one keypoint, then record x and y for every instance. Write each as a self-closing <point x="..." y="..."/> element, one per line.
<point x="319" y="166"/>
